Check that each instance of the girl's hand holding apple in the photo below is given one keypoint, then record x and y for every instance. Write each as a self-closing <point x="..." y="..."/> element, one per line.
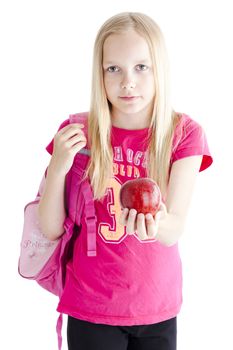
<point x="142" y="205"/>
<point x="144" y="225"/>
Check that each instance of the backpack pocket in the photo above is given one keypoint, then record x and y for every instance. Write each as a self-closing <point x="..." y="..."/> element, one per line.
<point x="36" y="249"/>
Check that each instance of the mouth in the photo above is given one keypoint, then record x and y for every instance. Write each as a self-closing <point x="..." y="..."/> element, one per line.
<point x="129" y="98"/>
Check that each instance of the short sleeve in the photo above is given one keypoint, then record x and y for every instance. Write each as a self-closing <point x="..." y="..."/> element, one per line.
<point x="49" y="148"/>
<point x="189" y="140"/>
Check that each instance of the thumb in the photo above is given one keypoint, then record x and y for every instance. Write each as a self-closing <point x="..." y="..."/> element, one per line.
<point x="162" y="212"/>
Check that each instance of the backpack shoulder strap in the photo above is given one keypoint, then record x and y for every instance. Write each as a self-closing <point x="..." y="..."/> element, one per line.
<point x="85" y="196"/>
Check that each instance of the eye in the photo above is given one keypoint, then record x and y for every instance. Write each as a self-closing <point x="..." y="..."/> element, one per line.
<point x="142" y="67"/>
<point x="112" y="69"/>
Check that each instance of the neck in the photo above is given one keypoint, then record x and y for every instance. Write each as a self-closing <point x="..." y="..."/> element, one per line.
<point x="130" y="121"/>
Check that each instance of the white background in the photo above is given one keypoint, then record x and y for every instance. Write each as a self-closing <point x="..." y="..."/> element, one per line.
<point x="46" y="56"/>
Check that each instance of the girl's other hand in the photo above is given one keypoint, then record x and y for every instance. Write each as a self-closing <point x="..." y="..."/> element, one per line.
<point x="67" y="142"/>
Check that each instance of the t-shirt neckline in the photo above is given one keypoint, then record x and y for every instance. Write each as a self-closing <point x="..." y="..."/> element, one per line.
<point x="122" y="130"/>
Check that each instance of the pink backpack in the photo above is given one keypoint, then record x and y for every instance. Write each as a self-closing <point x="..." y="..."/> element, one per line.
<point x="45" y="261"/>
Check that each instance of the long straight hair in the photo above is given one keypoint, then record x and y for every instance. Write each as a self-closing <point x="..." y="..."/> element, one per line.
<point x="163" y="119"/>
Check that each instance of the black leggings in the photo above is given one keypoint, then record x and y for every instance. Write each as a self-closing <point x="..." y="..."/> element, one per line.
<point x="83" y="335"/>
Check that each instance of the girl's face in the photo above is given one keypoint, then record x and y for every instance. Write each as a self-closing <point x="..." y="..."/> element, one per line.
<point x="129" y="78"/>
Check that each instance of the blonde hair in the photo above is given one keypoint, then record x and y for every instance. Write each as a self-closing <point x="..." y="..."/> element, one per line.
<point x="163" y="119"/>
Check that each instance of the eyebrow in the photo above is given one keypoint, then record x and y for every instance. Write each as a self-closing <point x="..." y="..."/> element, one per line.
<point x="145" y="60"/>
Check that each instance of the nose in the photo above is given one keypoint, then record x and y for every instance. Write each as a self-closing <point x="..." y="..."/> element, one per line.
<point x="128" y="86"/>
<point x="127" y="82"/>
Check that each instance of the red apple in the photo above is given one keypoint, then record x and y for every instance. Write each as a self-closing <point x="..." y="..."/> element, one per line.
<point x="141" y="194"/>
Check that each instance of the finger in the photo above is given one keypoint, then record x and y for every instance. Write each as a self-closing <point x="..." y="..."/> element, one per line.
<point x="157" y="221"/>
<point x="151" y="226"/>
<point x="162" y="210"/>
<point x="141" y="227"/>
<point x="123" y="216"/>
<point x="69" y="127"/>
<point x="78" y="146"/>
<point x="131" y="224"/>
<point x="75" y="139"/>
<point x="72" y="130"/>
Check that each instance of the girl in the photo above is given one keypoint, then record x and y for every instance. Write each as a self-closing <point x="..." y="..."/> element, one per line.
<point x="129" y="295"/>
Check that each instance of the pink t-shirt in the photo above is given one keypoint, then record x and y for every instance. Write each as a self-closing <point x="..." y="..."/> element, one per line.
<point x="129" y="282"/>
